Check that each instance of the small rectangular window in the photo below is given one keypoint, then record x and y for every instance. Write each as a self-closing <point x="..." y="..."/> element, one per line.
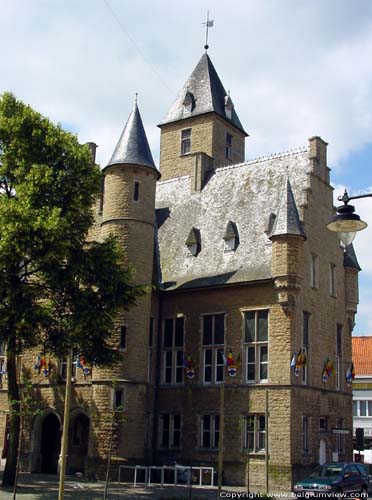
<point x="305" y="434"/>
<point x="136" y="191"/>
<point x="118" y="399"/>
<point x="332" y="280"/>
<point x="338" y="357"/>
<point x="305" y="346"/>
<point x="228" y="148"/>
<point x="186" y="141"/>
<point x="123" y="337"/>
<point x="322" y="424"/>
<point x="314" y="271"/>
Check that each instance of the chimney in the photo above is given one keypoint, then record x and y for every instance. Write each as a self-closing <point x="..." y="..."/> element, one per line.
<point x="93" y="148"/>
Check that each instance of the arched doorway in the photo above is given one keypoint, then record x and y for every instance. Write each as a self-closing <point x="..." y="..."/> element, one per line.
<point x="78" y="441"/>
<point x="322" y="451"/>
<point x="50" y="444"/>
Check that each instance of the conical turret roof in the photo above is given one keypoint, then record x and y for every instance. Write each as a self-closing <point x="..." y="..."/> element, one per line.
<point x="287" y="221"/>
<point x="350" y="259"/>
<point x="208" y="94"/>
<point x="133" y="147"/>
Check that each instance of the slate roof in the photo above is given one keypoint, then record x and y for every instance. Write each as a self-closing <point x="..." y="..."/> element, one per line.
<point x="208" y="92"/>
<point x="245" y="194"/>
<point x="287" y="220"/>
<point x="362" y="355"/>
<point x="133" y="147"/>
<point x="350" y="259"/>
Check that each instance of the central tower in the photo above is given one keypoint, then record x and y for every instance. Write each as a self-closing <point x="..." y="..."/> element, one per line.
<point x="201" y="130"/>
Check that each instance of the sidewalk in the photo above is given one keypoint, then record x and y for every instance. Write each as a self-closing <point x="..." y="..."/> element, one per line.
<point x="45" y="487"/>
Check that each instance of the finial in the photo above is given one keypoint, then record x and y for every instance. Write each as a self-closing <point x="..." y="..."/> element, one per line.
<point x="135" y="98"/>
<point x="207" y="24"/>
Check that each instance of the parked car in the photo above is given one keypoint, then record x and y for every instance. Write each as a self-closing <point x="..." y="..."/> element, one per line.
<point x="366" y="469"/>
<point x="334" y="479"/>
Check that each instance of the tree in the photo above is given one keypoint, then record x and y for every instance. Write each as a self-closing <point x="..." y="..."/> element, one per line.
<point x="55" y="289"/>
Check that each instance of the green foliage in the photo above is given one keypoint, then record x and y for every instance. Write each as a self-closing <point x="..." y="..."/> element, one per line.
<point x="56" y="291"/>
<point x="47" y="186"/>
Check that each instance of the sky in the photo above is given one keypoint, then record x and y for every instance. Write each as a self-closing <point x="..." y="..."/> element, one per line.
<point x="295" y="69"/>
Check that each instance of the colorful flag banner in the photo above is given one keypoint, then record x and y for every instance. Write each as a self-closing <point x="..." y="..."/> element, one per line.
<point x="298" y="361"/>
<point x="328" y="370"/>
<point x="230" y="363"/>
<point x="189" y="367"/>
<point x="81" y="363"/>
<point x="41" y="365"/>
<point x="350" y="374"/>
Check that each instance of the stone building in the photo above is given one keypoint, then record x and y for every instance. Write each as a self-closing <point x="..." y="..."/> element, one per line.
<point x="253" y="299"/>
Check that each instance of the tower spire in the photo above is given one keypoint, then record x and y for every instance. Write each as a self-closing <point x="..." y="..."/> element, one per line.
<point x="208" y="24"/>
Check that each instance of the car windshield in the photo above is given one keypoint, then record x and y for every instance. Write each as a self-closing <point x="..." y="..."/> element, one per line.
<point x="330" y="470"/>
<point x="327" y="471"/>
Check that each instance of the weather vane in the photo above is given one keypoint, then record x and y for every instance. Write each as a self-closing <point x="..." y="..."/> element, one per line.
<point x="207" y="24"/>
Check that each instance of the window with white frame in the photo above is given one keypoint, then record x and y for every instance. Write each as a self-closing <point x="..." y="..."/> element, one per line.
<point x="255" y="433"/>
<point x="332" y="280"/>
<point x="314" y="271"/>
<point x="305" y="434"/>
<point x="338" y="357"/>
<point x="213" y="347"/>
<point x="185" y="141"/>
<point x="63" y="368"/>
<point x="257" y="346"/>
<point x="305" y="345"/>
<point x="228" y="147"/>
<point x="173" y="336"/>
<point x="210" y="431"/>
<point x="170" y="431"/>
<point x="362" y="408"/>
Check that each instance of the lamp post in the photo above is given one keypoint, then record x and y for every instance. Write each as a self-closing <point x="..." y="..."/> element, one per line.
<point x="346" y="223"/>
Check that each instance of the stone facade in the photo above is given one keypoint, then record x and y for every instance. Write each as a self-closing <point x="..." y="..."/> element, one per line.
<point x="278" y="290"/>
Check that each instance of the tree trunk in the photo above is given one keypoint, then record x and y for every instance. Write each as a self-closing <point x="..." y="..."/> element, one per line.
<point x="14" y="421"/>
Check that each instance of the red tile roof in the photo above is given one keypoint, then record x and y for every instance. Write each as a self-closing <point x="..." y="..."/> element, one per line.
<point x="362" y="355"/>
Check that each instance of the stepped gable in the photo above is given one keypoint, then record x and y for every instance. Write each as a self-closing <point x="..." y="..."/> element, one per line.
<point x="245" y="194"/>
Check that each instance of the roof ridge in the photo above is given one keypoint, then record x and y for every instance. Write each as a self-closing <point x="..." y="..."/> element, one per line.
<point x="261" y="159"/>
<point x="174" y="179"/>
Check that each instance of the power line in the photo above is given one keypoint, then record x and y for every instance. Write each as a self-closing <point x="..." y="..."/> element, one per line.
<point x="132" y="40"/>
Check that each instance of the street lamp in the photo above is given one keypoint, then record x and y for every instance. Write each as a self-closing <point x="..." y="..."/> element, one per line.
<point x="346" y="223"/>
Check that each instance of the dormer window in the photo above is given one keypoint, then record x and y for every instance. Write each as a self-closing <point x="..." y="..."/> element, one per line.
<point x="193" y="242"/>
<point x="229" y="106"/>
<point x="189" y="102"/>
<point x="231" y="237"/>
<point x="185" y="141"/>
